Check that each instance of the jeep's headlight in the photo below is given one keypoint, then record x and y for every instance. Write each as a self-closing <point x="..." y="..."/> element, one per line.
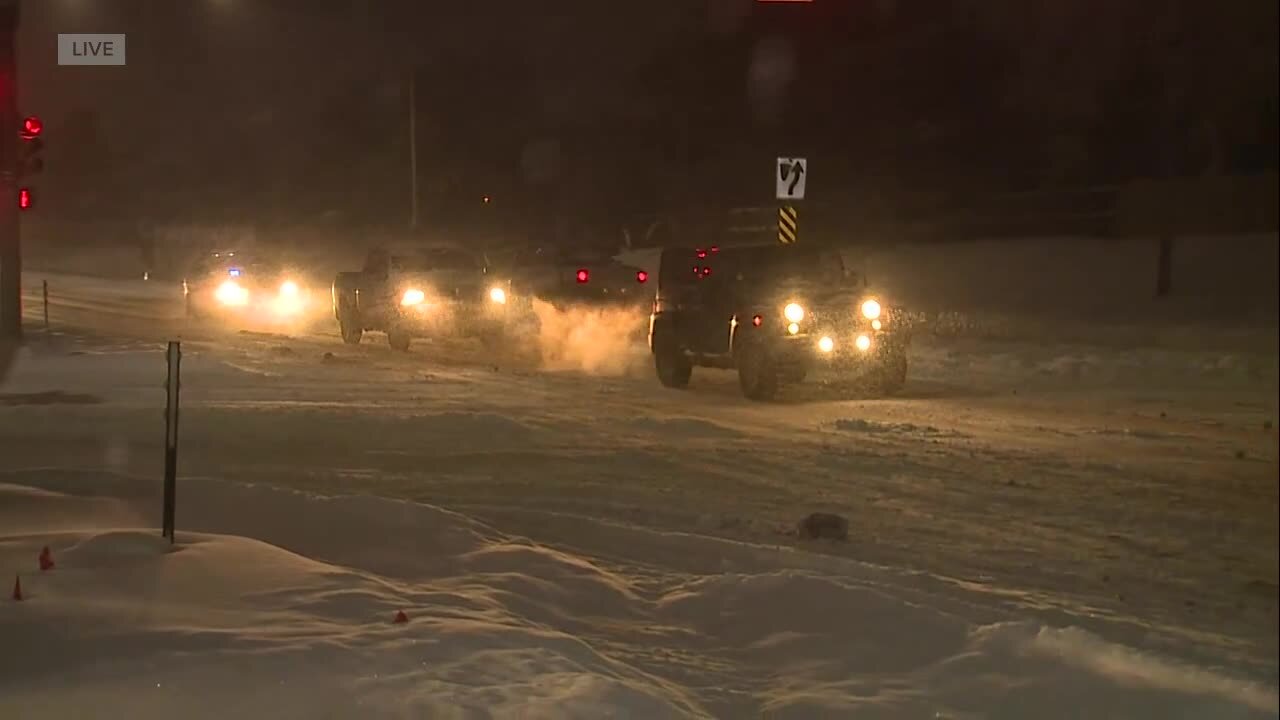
<point x="498" y="295"/>
<point x="793" y="313"/>
<point x="871" y="309"/>
<point x="413" y="296"/>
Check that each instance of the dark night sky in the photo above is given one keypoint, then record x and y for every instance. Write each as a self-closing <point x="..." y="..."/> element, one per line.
<point x="293" y="108"/>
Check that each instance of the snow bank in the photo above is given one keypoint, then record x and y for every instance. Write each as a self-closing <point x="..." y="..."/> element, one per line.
<point x="280" y="604"/>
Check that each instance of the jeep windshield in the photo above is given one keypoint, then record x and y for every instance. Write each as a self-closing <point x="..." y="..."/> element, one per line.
<point x="777" y="265"/>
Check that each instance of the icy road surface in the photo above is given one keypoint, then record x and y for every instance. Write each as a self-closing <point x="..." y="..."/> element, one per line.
<point x="1127" y="493"/>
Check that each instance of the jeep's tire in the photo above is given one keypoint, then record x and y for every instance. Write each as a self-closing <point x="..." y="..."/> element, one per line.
<point x="673" y="368"/>
<point x="399" y="340"/>
<point x="497" y="343"/>
<point x="757" y="374"/>
<point x="350" y="330"/>
<point x="892" y="375"/>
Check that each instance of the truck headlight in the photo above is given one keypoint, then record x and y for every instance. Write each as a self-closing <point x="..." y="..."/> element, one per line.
<point x="793" y="313"/>
<point x="413" y="296"/>
<point x="498" y="295"/>
<point x="289" y="289"/>
<point x="871" y="309"/>
<point x="230" y="293"/>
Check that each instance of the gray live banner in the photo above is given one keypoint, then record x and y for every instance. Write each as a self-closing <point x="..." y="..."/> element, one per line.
<point x="90" y="49"/>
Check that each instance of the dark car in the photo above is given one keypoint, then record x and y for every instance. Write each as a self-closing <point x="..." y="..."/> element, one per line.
<point x="420" y="291"/>
<point x="245" y="286"/>
<point x="774" y="313"/>
<point x="566" y="277"/>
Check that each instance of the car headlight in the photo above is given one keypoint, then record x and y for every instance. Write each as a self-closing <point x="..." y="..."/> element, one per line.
<point x="498" y="295"/>
<point x="871" y="309"/>
<point x="230" y="293"/>
<point x="413" y="296"/>
<point x="863" y="342"/>
<point x="289" y="289"/>
<point x="793" y="312"/>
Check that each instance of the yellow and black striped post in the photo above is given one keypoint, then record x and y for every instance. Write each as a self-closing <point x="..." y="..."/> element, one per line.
<point x="787" y="224"/>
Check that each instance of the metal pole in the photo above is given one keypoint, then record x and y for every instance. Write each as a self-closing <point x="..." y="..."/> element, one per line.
<point x="44" y="294"/>
<point x="172" y="384"/>
<point x="10" y="246"/>
<point x="413" y="150"/>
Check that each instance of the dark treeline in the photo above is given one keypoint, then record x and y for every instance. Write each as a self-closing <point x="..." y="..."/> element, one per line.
<point x="603" y="112"/>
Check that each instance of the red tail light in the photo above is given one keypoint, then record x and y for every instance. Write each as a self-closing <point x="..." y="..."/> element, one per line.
<point x="24" y="199"/>
<point x="583" y="275"/>
<point x="757" y="321"/>
<point x="642" y="276"/>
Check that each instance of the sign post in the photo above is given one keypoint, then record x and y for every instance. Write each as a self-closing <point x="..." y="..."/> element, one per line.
<point x="789" y="181"/>
<point x="172" y="384"/>
<point x="788" y="225"/>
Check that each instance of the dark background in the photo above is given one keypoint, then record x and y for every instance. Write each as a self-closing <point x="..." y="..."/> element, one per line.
<point x="579" y="117"/>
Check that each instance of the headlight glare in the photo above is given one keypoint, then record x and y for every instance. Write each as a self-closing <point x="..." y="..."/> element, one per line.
<point x="498" y="295"/>
<point x="793" y="312"/>
<point x="289" y="289"/>
<point x="871" y="309"/>
<point x="230" y="293"/>
<point x="413" y="296"/>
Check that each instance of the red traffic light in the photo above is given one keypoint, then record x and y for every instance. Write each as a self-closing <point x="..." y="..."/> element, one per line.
<point x="24" y="198"/>
<point x="32" y="126"/>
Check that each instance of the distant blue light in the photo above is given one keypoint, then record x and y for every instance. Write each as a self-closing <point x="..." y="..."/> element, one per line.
<point x="234" y="272"/>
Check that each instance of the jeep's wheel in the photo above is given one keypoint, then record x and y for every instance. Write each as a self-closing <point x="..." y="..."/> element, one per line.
<point x="398" y="340"/>
<point x="496" y="343"/>
<point x="757" y="374"/>
<point x="673" y="368"/>
<point x="892" y="375"/>
<point x="351" y="331"/>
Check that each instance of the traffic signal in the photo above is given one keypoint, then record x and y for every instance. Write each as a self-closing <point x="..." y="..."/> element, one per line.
<point x="31" y="157"/>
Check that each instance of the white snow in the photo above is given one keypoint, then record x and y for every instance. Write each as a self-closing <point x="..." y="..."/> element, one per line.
<point x="500" y="626"/>
<point x="1037" y="529"/>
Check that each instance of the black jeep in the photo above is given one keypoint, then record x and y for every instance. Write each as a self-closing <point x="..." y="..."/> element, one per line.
<point x="774" y="313"/>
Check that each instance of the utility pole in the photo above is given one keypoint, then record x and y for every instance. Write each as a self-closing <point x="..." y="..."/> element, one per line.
<point x="413" y="151"/>
<point x="10" y="246"/>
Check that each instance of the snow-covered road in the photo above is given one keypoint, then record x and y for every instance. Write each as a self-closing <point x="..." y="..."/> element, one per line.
<point x="1129" y="493"/>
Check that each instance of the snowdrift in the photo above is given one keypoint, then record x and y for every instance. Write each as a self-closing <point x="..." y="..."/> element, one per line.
<point x="280" y="604"/>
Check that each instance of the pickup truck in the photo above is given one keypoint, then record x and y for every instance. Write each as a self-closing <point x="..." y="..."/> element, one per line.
<point x="420" y="291"/>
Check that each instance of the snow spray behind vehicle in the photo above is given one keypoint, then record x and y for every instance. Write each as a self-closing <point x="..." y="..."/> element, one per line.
<point x="598" y="340"/>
